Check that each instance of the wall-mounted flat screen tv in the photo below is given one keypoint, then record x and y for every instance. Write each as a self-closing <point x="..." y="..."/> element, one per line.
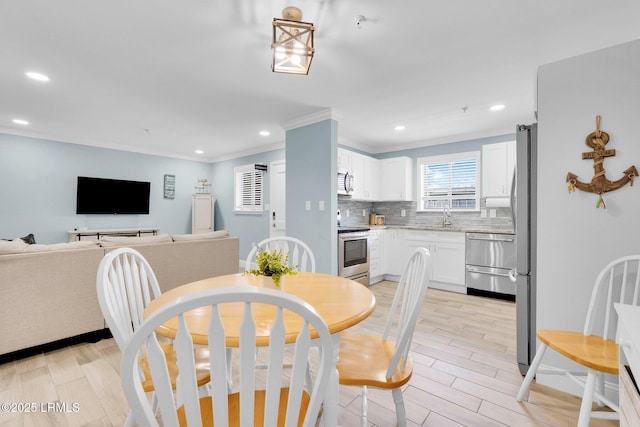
<point x="112" y="196"/>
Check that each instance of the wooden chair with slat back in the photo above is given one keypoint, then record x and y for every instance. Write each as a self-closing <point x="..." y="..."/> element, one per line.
<point x="384" y="361"/>
<point x="283" y="401"/>
<point x="594" y="348"/>
<point x="126" y="284"/>
<point x="300" y="255"/>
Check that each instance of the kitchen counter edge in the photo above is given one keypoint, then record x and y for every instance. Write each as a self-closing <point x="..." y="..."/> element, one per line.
<point x="446" y="229"/>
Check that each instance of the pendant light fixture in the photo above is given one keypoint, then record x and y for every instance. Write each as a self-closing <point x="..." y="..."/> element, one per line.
<point x="292" y="45"/>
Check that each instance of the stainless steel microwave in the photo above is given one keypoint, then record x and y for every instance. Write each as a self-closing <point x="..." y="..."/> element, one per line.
<point x="345" y="182"/>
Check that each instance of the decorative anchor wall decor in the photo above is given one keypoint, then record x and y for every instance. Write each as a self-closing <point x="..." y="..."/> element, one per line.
<point x="599" y="183"/>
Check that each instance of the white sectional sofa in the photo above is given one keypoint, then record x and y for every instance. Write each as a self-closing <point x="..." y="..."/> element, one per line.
<point x="48" y="292"/>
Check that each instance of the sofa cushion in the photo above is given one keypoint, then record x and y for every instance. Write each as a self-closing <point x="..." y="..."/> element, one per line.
<point x="29" y="238"/>
<point x="213" y="235"/>
<point x="18" y="246"/>
<point x="60" y="246"/>
<point x="110" y="241"/>
<point x="12" y="246"/>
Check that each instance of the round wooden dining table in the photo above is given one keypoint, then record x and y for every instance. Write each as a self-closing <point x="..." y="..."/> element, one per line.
<point x="341" y="302"/>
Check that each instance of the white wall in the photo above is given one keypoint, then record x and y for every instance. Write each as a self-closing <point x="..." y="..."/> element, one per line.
<point x="575" y="240"/>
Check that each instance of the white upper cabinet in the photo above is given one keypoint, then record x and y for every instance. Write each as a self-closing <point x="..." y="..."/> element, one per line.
<point x="344" y="159"/>
<point x="357" y="169"/>
<point x="378" y="180"/>
<point x="498" y="162"/>
<point x="366" y="177"/>
<point x="397" y="179"/>
<point x="372" y="182"/>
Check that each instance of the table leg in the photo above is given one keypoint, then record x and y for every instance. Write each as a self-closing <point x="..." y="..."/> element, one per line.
<point x="330" y="408"/>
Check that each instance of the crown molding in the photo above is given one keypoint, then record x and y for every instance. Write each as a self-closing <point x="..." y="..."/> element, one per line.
<point x="329" y="113"/>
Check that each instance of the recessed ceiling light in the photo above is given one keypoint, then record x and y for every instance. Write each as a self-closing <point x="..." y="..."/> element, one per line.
<point x="497" y="107"/>
<point x="400" y="127"/>
<point x="199" y="152"/>
<point x="20" y="121"/>
<point x="265" y="133"/>
<point x="37" y="76"/>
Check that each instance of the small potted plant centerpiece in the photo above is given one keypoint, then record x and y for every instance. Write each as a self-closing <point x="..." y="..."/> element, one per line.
<point x="272" y="263"/>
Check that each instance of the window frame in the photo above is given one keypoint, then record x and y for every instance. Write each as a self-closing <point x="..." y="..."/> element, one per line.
<point x="257" y="182"/>
<point x="449" y="198"/>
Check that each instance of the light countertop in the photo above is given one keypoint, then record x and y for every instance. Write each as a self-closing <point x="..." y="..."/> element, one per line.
<point x="452" y="228"/>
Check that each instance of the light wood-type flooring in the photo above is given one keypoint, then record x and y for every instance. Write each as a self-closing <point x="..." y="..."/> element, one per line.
<point x="465" y="374"/>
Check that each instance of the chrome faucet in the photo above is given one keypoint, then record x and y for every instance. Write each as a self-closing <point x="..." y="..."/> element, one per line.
<point x="446" y="216"/>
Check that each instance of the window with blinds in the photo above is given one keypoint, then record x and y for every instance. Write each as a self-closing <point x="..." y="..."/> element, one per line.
<point x="450" y="180"/>
<point x="248" y="189"/>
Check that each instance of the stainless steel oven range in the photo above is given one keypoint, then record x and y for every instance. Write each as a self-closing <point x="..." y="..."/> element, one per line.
<point x="353" y="253"/>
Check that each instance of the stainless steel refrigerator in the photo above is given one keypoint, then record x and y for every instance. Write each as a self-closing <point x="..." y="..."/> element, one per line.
<point x="523" y="206"/>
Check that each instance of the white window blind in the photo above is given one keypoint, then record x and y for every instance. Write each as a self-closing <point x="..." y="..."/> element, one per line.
<point x="449" y="180"/>
<point x="248" y="189"/>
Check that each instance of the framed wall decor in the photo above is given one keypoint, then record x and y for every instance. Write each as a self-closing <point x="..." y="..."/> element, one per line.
<point x="169" y="186"/>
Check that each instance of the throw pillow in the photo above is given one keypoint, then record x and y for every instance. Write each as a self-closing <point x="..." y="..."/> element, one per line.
<point x="29" y="239"/>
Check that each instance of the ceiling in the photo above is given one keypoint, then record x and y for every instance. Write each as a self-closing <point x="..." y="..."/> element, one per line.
<point x="170" y="77"/>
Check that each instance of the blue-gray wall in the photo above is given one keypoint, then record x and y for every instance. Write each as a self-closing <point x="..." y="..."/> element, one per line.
<point x="251" y="228"/>
<point x="311" y="153"/>
<point x="38" y="180"/>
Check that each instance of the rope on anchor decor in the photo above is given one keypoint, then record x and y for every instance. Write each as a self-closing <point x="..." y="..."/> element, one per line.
<point x="599" y="183"/>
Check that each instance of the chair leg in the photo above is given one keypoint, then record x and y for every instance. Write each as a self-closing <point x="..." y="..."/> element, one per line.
<point x="363" y="408"/>
<point x="531" y="373"/>
<point x="154" y="402"/>
<point x="587" y="400"/>
<point x="129" y="422"/>
<point x="309" y="378"/>
<point x="230" y="370"/>
<point x="599" y="388"/>
<point x="401" y="413"/>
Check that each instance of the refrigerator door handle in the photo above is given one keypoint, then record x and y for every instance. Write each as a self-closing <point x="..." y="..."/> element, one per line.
<point x="513" y="199"/>
<point x="512" y="275"/>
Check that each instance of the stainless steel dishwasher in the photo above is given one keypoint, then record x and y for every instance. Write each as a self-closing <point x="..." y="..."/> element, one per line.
<point x="489" y="258"/>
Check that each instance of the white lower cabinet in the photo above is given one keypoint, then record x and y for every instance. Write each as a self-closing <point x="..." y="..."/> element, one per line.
<point x="393" y="257"/>
<point x="447" y="255"/>
<point x="375" y="270"/>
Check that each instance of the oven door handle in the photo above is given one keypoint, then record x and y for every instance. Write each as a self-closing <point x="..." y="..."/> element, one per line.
<point x="488" y="272"/>
<point x="492" y="239"/>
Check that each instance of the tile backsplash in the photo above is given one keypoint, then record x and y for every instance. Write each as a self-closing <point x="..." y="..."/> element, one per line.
<point x="352" y="214"/>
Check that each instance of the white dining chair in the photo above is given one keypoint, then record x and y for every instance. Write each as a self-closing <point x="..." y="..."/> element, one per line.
<point x="284" y="401"/>
<point x="126" y="284"/>
<point x="594" y="348"/>
<point x="383" y="361"/>
<point x="300" y="255"/>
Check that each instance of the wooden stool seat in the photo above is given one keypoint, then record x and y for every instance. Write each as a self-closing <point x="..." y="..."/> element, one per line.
<point x="591" y="351"/>
<point x="364" y="360"/>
